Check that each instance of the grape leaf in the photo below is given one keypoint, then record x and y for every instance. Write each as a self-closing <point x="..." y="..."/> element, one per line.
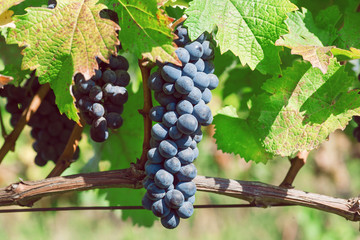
<point x="349" y="35"/>
<point x="145" y="29"/>
<point x="247" y="28"/>
<point x="122" y="148"/>
<point x="63" y="41"/>
<point x="308" y="39"/>
<point x="296" y="112"/>
<point x="12" y="65"/>
<point x="245" y="83"/>
<point x="235" y="135"/>
<point x="300" y="109"/>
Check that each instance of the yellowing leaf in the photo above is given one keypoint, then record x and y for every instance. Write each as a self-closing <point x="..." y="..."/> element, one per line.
<point x="318" y="56"/>
<point x="63" y="41"/>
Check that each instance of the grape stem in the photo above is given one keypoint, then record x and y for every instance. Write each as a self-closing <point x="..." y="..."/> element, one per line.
<point x="66" y="158"/>
<point x="25" y="193"/>
<point x="10" y="141"/>
<point x="145" y="73"/>
<point x="296" y="164"/>
<point x="177" y="22"/>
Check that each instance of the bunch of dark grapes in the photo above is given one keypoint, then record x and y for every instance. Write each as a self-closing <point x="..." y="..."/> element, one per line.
<point x="183" y="93"/>
<point x="50" y="129"/>
<point x="101" y="99"/>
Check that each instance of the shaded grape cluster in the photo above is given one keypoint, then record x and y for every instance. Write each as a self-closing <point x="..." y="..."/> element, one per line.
<point x="50" y="129"/>
<point x="183" y="92"/>
<point x="101" y="99"/>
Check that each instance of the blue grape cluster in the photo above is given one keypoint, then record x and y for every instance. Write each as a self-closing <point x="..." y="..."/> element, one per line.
<point x="50" y="129"/>
<point x="183" y="93"/>
<point x="101" y="99"/>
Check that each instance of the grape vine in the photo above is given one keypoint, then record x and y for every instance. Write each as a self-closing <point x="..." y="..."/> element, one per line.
<point x="267" y="102"/>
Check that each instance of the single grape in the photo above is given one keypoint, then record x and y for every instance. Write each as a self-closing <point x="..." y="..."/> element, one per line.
<point x="183" y="55"/>
<point x="160" y="209"/>
<point x="187" y="173"/>
<point x="156" y="113"/>
<point x="187" y="124"/>
<point x="159" y="132"/>
<point x="168" y="148"/>
<point x="170" y="72"/>
<point x="201" y="80"/>
<point x="195" y="49"/>
<point x="174" y="199"/>
<point x="188" y="189"/>
<point x="186" y="155"/>
<point x="186" y="210"/>
<point x="189" y="70"/>
<point x="154" y="156"/>
<point x="171" y="220"/>
<point x="172" y="165"/>
<point x="114" y="120"/>
<point x="109" y="76"/>
<point x="184" y="107"/>
<point x="184" y="85"/>
<point x="170" y="118"/>
<point x="163" y="179"/>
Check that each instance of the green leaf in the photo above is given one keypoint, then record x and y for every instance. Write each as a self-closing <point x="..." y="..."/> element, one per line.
<point x="235" y="135"/>
<point x="12" y="65"/>
<point x="244" y="83"/>
<point x="302" y="108"/>
<point x="349" y="35"/>
<point x="63" y="41"/>
<point x="145" y="29"/>
<point x="247" y="28"/>
<point x="308" y="39"/>
<point x="122" y="148"/>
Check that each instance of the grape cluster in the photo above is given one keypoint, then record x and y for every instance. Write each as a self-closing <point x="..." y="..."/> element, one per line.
<point x="50" y="129"/>
<point x="183" y="93"/>
<point x="101" y="99"/>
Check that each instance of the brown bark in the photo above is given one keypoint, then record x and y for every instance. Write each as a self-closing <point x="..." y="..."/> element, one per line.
<point x="259" y="194"/>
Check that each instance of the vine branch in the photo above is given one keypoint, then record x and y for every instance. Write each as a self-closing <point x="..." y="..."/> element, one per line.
<point x="145" y="73"/>
<point x="259" y="194"/>
<point x="25" y="118"/>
